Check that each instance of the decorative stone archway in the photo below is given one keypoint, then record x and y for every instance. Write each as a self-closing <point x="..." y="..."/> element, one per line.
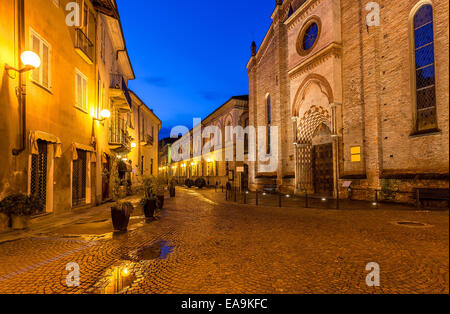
<point x="307" y="127"/>
<point x="311" y="81"/>
<point x="309" y="123"/>
<point x="311" y="110"/>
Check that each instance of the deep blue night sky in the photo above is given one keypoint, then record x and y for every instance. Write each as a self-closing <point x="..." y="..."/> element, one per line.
<point x="190" y="56"/>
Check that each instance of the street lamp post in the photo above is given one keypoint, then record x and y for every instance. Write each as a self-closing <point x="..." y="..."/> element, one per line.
<point x="31" y="61"/>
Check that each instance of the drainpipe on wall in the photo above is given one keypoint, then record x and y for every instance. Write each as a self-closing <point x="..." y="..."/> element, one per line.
<point x="22" y="84"/>
<point x="139" y="138"/>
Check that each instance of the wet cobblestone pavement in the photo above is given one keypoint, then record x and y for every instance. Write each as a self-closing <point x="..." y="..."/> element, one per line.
<point x="200" y="244"/>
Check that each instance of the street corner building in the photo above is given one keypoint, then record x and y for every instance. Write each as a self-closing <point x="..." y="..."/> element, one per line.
<point x="361" y="107"/>
<point x="67" y="124"/>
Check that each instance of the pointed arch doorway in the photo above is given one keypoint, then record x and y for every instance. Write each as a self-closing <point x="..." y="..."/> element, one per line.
<point x="315" y="144"/>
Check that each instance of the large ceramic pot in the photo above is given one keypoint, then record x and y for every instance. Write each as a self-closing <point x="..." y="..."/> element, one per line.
<point x="160" y="202"/>
<point x="4" y="222"/>
<point x="120" y="219"/>
<point x="149" y="209"/>
<point x="20" y="222"/>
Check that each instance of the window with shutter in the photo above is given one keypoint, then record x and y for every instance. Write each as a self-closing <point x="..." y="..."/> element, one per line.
<point x="81" y="93"/>
<point x="41" y="75"/>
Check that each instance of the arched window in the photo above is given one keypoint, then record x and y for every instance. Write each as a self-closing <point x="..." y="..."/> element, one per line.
<point x="424" y="76"/>
<point x="229" y="132"/>
<point x="246" y="124"/>
<point x="269" y="121"/>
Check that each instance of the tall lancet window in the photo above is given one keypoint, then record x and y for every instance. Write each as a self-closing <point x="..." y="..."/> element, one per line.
<point x="269" y="121"/>
<point x="425" y="75"/>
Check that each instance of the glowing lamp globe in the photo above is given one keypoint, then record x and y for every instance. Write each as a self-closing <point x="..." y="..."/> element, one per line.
<point x="30" y="59"/>
<point x="105" y="114"/>
<point x="133" y="145"/>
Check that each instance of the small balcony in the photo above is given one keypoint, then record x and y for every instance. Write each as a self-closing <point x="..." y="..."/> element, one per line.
<point x="147" y="140"/>
<point x="119" y="93"/>
<point x="83" y="46"/>
<point x="119" y="140"/>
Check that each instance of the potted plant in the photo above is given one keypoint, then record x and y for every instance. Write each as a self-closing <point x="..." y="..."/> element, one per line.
<point x="115" y="181"/>
<point x="20" y="208"/>
<point x="159" y="188"/>
<point x="149" y="207"/>
<point x="200" y="183"/>
<point x="172" y="190"/>
<point x="149" y="201"/>
<point x="129" y="187"/>
<point x="120" y="214"/>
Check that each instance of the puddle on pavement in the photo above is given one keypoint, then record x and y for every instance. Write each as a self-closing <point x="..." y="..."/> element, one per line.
<point x="116" y="280"/>
<point x="160" y="250"/>
<point x="123" y="275"/>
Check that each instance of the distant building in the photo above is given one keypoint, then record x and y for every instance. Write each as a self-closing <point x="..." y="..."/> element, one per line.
<point x="144" y="129"/>
<point x="164" y="155"/>
<point x="213" y="167"/>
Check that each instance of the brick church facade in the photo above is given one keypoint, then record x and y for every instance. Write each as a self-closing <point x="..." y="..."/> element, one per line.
<point x="359" y="105"/>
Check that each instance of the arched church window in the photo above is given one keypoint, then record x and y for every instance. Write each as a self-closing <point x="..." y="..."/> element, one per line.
<point x="424" y="65"/>
<point x="246" y="124"/>
<point x="269" y="121"/>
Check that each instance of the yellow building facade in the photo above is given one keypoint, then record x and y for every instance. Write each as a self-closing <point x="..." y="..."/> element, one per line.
<point x="144" y="129"/>
<point x="61" y="123"/>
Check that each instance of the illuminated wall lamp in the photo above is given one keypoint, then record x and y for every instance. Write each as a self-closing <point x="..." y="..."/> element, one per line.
<point x="133" y="145"/>
<point x="29" y="59"/>
<point x="104" y="114"/>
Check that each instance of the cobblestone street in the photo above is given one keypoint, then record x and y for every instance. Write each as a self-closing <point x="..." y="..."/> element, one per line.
<point x="200" y="244"/>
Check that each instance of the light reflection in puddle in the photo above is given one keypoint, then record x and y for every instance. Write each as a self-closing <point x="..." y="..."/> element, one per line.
<point x="122" y="276"/>
<point x="117" y="279"/>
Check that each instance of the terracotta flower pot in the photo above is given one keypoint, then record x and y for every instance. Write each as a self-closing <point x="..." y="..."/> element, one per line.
<point x="149" y="209"/>
<point x="4" y="222"/>
<point x="20" y="222"/>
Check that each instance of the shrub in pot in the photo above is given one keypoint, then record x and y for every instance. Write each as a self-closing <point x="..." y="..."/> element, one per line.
<point x="149" y="201"/>
<point x="120" y="214"/>
<point x="172" y="190"/>
<point x="159" y="189"/>
<point x="20" y="208"/>
<point x="149" y="207"/>
<point x="200" y="183"/>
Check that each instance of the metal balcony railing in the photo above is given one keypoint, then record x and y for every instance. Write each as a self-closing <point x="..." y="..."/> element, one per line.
<point x="118" y="134"/>
<point x="149" y="140"/>
<point x="83" y="43"/>
<point x="146" y="139"/>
